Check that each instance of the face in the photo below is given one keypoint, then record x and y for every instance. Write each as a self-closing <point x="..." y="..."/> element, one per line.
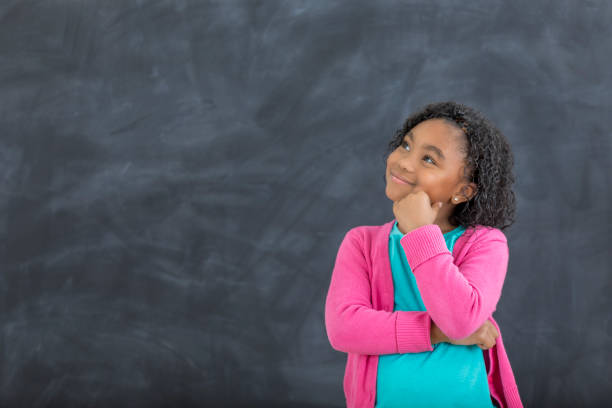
<point x="430" y="159"/>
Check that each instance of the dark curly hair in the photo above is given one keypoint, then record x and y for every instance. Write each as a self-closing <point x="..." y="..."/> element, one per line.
<point x="488" y="159"/>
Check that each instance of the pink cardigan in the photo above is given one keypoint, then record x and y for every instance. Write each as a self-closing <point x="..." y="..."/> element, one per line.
<point x="459" y="290"/>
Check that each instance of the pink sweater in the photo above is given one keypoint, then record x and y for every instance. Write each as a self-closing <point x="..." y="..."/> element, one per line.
<point x="459" y="290"/>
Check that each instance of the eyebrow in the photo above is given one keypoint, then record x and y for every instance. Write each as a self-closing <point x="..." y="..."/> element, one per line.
<point x="427" y="146"/>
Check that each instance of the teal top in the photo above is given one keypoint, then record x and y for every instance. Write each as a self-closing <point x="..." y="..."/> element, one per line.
<point x="448" y="376"/>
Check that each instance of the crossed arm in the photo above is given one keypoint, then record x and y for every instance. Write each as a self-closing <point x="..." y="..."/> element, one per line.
<point x="459" y="299"/>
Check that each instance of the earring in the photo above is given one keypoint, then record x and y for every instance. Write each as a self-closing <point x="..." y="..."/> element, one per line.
<point x="456" y="198"/>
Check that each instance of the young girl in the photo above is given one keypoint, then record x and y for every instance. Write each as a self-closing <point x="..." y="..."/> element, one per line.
<point x="411" y="301"/>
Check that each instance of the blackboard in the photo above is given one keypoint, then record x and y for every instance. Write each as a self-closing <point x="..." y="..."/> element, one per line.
<point x="176" y="178"/>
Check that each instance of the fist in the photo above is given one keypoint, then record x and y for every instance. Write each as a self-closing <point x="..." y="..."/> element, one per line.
<point x="484" y="337"/>
<point x="415" y="210"/>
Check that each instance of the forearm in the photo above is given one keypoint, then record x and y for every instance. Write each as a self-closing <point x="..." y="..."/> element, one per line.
<point x="363" y="330"/>
<point x="437" y="336"/>
<point x="459" y="298"/>
<point x="352" y="322"/>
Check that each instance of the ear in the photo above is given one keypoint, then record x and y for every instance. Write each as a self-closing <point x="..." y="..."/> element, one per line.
<point x="468" y="191"/>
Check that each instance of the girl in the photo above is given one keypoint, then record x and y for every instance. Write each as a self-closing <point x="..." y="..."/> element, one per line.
<point x="411" y="301"/>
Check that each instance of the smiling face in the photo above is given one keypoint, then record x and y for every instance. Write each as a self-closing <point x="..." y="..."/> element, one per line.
<point x="431" y="158"/>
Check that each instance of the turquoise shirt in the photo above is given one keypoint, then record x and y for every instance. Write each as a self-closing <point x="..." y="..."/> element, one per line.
<point x="450" y="375"/>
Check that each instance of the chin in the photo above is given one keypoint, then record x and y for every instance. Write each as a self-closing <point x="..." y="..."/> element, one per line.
<point x="390" y="195"/>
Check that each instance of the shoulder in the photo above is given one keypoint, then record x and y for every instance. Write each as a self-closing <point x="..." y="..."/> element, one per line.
<point x="370" y="233"/>
<point x="486" y="232"/>
<point x="368" y="238"/>
<point x="483" y="233"/>
<point x="480" y="237"/>
<point x="358" y="243"/>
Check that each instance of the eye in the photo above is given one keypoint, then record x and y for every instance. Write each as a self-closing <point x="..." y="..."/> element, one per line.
<point x="405" y="144"/>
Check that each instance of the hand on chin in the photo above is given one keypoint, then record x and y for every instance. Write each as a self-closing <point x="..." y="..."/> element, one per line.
<point x="414" y="210"/>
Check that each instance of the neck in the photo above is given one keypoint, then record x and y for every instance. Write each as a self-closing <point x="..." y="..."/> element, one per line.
<point x="445" y="227"/>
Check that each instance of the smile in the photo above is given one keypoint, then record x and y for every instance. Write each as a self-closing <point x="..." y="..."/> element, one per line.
<point x="400" y="181"/>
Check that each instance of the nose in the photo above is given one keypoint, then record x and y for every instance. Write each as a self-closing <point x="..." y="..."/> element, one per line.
<point x="406" y="163"/>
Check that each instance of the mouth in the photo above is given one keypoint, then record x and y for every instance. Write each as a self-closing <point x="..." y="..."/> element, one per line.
<point x="400" y="180"/>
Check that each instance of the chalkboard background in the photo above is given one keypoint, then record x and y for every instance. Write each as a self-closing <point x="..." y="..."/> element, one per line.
<point x="176" y="178"/>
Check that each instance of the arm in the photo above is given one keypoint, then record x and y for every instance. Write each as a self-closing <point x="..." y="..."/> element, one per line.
<point x="353" y="326"/>
<point x="458" y="298"/>
<point x="437" y="336"/>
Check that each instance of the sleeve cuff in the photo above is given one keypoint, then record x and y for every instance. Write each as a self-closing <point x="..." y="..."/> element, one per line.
<point x="423" y="243"/>
<point x="413" y="335"/>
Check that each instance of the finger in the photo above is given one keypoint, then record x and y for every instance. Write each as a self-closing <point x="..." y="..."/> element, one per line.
<point x="487" y="342"/>
<point x="493" y="334"/>
<point x="490" y="343"/>
<point x="493" y="329"/>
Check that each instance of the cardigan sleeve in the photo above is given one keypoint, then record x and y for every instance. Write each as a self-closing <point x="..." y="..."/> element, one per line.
<point x="459" y="298"/>
<point x="353" y="325"/>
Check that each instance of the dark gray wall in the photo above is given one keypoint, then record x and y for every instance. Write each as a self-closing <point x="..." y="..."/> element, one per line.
<point x="176" y="178"/>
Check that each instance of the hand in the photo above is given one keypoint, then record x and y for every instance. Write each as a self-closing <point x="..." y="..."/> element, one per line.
<point x="415" y="210"/>
<point x="484" y="337"/>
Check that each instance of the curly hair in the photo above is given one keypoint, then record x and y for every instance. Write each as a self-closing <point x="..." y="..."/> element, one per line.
<point x="488" y="160"/>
